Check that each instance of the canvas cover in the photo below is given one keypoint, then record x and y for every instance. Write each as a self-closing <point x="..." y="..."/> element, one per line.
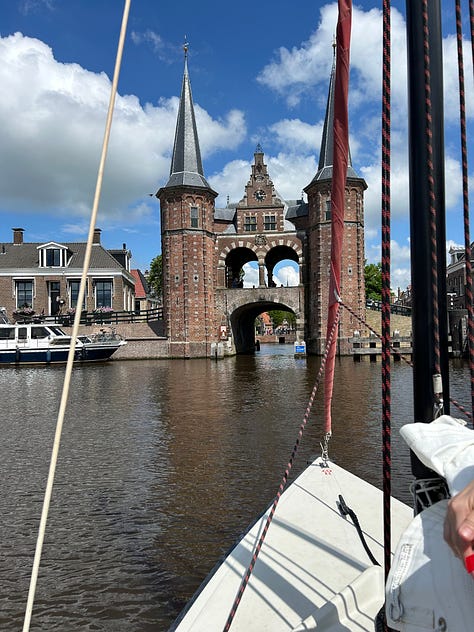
<point x="428" y="587"/>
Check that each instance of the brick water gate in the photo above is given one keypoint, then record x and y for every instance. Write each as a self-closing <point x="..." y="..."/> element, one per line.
<point x="205" y="248"/>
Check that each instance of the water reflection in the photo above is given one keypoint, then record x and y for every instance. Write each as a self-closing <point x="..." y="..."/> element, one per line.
<point x="162" y="465"/>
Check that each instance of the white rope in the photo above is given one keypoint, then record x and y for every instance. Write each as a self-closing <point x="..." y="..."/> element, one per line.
<point x="70" y="359"/>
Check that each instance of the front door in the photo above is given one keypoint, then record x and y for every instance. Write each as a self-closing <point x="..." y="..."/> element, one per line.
<point x="54" y="295"/>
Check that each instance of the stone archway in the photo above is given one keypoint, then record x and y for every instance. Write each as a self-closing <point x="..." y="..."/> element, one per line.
<point x="240" y="308"/>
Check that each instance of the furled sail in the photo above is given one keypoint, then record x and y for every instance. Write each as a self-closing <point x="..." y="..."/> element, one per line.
<point x="339" y="173"/>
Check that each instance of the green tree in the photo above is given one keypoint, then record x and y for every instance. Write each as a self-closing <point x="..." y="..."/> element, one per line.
<point x="155" y="276"/>
<point x="373" y="281"/>
<point x="278" y="316"/>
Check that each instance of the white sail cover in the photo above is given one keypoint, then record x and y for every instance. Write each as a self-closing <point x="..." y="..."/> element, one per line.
<point x="428" y="587"/>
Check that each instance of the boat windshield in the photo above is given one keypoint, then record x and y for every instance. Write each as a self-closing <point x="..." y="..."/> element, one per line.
<point x="58" y="331"/>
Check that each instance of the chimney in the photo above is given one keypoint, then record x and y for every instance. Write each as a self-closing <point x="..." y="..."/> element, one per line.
<point x="96" y="239"/>
<point x="18" y="236"/>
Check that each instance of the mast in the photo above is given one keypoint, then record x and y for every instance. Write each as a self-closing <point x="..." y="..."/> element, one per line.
<point x="427" y="230"/>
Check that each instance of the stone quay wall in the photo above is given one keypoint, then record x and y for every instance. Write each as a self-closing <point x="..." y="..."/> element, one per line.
<point x="145" y="341"/>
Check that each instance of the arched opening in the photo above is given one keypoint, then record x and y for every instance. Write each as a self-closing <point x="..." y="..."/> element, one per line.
<point x="234" y="266"/>
<point x="243" y="323"/>
<point x="282" y="268"/>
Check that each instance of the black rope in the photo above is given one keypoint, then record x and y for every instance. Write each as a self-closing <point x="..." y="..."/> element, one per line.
<point x="347" y="511"/>
<point x="431" y="190"/>
<point x="465" y="190"/>
<point x="386" y="293"/>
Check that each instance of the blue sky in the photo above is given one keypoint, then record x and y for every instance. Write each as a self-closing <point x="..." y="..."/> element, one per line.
<point x="259" y="74"/>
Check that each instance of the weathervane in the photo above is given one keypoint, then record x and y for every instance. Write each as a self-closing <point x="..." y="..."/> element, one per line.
<point x="185" y="46"/>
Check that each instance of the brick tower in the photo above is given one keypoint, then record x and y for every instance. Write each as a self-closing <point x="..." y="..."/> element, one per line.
<point x="188" y="240"/>
<point x="319" y="243"/>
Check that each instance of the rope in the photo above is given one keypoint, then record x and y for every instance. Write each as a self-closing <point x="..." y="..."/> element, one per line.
<point x="432" y="200"/>
<point x="70" y="360"/>
<point x="386" y="294"/>
<point x="465" y="190"/>
<point x="284" y="480"/>
<point x="363" y="322"/>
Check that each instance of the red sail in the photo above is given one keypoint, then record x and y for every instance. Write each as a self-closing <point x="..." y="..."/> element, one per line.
<point x="339" y="173"/>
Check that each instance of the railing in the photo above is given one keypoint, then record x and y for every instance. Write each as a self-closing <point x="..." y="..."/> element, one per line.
<point x="91" y="318"/>
<point x="402" y="310"/>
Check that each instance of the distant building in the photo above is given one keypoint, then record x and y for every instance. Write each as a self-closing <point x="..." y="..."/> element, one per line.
<point x="46" y="276"/>
<point x="144" y="298"/>
<point x="456" y="278"/>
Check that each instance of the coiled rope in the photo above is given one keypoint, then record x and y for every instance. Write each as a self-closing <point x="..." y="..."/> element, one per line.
<point x="284" y="480"/>
<point x="70" y="360"/>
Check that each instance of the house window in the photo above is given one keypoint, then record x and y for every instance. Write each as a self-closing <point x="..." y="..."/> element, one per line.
<point x="269" y="222"/>
<point x="74" y="285"/>
<point x="24" y="293"/>
<point x="103" y="293"/>
<point x="250" y="224"/>
<point x="328" y="210"/>
<point x="194" y="217"/>
<point x="53" y="257"/>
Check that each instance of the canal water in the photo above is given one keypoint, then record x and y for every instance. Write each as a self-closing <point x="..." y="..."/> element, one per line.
<point x="163" y="464"/>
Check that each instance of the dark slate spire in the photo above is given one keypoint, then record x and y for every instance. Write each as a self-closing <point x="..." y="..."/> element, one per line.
<point x="186" y="165"/>
<point x="326" y="154"/>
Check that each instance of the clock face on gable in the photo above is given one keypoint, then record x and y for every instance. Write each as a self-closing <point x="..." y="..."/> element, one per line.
<point x="259" y="195"/>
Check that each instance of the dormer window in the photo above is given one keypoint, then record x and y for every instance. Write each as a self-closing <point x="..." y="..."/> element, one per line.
<point x="52" y="255"/>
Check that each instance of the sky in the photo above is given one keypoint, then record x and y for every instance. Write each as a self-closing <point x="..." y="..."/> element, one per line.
<point x="259" y="74"/>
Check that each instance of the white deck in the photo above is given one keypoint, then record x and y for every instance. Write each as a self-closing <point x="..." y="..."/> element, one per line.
<point x="312" y="572"/>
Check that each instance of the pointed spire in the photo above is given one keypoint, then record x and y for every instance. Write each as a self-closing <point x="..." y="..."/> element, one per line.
<point x="186" y="164"/>
<point x="326" y="153"/>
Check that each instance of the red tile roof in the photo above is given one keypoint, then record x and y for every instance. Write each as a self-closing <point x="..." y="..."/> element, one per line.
<point x="140" y="291"/>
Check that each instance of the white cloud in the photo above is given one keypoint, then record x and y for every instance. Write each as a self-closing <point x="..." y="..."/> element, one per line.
<point x="31" y="6"/>
<point x="251" y="274"/>
<point x="286" y="275"/>
<point x="52" y="121"/>
<point x="150" y="37"/>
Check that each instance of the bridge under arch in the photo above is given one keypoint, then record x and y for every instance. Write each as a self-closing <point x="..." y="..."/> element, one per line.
<point x="240" y="307"/>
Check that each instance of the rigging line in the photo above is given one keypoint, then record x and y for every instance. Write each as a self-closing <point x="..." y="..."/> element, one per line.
<point x="386" y="294"/>
<point x="465" y="191"/>
<point x="70" y="360"/>
<point x="438" y="401"/>
<point x="455" y="403"/>
<point x="281" y="488"/>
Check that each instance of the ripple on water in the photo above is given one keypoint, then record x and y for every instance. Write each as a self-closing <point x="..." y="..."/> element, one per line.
<point x="162" y="466"/>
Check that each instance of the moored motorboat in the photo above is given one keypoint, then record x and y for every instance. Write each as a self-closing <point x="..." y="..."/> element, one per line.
<point x="43" y="343"/>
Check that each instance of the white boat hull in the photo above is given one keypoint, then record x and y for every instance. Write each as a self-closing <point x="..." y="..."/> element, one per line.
<point x="312" y="572"/>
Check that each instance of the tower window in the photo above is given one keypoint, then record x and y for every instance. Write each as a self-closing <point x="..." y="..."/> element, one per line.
<point x="250" y="224"/>
<point x="194" y="217"/>
<point x="269" y="222"/>
<point x="328" y="210"/>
